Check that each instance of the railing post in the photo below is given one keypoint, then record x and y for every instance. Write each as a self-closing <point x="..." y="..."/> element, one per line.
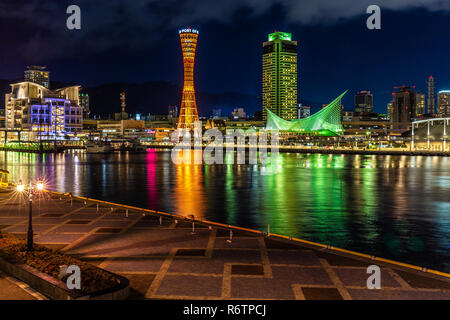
<point x="444" y="143"/>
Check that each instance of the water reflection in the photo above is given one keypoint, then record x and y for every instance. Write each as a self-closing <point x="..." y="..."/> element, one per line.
<point x="189" y="189"/>
<point x="391" y="206"/>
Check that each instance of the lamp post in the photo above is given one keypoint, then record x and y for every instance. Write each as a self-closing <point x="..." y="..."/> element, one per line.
<point x="31" y="191"/>
<point x="30" y="222"/>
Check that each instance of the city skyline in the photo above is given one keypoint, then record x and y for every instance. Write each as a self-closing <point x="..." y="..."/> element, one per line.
<point x="236" y="150"/>
<point x="355" y="65"/>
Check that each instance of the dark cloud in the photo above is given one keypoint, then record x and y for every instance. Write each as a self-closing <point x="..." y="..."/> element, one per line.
<point x="108" y="24"/>
<point x="136" y="41"/>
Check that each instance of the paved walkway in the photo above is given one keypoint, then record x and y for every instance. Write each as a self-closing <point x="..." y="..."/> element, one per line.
<point x="13" y="289"/>
<point x="164" y="260"/>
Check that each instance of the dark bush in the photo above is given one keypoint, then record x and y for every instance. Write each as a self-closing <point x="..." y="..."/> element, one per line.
<point x="49" y="261"/>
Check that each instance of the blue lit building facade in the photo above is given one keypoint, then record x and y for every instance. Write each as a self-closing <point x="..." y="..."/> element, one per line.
<point x="32" y="107"/>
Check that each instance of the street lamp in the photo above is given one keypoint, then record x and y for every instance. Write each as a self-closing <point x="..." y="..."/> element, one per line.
<point x="31" y="191"/>
<point x="20" y="187"/>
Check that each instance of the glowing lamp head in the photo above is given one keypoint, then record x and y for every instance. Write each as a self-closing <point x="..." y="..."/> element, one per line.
<point x="40" y="186"/>
<point x="20" y="187"/>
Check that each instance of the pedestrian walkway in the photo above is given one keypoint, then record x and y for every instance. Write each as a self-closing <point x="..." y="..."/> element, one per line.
<point x="167" y="257"/>
<point x="13" y="289"/>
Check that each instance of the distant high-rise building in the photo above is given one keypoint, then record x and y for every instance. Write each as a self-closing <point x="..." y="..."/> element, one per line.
<point x="404" y="107"/>
<point x="347" y="115"/>
<point x="420" y="104"/>
<point x="84" y="104"/>
<point x="38" y="74"/>
<point x="430" y="102"/>
<point x="390" y="110"/>
<point x="238" y="113"/>
<point x="279" y="82"/>
<point x="303" y="111"/>
<point x="363" y="102"/>
<point x="172" y="112"/>
<point x="217" y="113"/>
<point x="444" y="103"/>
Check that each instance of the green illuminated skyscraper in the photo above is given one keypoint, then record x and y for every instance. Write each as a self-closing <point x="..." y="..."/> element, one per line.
<point x="279" y="83"/>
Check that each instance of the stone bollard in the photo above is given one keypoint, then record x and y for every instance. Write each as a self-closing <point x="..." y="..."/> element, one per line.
<point x="231" y="237"/>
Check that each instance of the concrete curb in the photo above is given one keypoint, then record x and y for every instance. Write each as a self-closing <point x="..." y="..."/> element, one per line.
<point x="56" y="289"/>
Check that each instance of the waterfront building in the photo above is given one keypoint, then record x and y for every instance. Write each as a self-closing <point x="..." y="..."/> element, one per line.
<point x="188" y="110"/>
<point x="347" y="115"/>
<point x="429" y="134"/>
<point x="38" y="74"/>
<point x="363" y="102"/>
<point x="403" y="107"/>
<point x="356" y="127"/>
<point x="31" y="106"/>
<point x="326" y="122"/>
<point x="215" y="124"/>
<point x="112" y="129"/>
<point x="279" y="76"/>
<point x="431" y="100"/>
<point x="444" y="103"/>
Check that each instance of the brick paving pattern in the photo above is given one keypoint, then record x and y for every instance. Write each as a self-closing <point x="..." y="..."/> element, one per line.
<point x="163" y="259"/>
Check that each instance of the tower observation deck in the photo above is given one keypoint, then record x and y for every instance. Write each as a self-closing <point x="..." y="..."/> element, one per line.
<point x="188" y="110"/>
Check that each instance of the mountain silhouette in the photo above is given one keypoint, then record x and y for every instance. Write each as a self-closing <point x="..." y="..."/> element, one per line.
<point x="153" y="98"/>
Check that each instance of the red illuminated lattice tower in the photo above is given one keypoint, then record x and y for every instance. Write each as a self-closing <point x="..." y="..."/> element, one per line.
<point x="188" y="111"/>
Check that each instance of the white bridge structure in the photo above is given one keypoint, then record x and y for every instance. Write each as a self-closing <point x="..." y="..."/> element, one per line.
<point x="431" y="131"/>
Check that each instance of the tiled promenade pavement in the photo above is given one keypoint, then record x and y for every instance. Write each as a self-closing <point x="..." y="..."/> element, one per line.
<point x="165" y="260"/>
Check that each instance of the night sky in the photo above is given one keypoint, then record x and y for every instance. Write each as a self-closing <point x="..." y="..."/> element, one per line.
<point x="137" y="41"/>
